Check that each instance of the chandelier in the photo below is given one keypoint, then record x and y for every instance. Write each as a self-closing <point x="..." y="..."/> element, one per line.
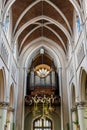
<point x="40" y="99"/>
<point x="42" y="70"/>
<point x="45" y="102"/>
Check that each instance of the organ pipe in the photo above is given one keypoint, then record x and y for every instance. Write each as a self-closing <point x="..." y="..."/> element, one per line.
<point x="32" y="79"/>
<point x="37" y="81"/>
<point x="53" y="79"/>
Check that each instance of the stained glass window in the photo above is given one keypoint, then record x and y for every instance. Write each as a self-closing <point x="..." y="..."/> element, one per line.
<point x="42" y="124"/>
<point x="6" y="23"/>
<point x="78" y="24"/>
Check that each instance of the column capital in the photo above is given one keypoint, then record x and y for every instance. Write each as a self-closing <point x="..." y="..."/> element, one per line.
<point x="4" y="104"/>
<point x="81" y="104"/>
<point x="11" y="109"/>
<point x="73" y="109"/>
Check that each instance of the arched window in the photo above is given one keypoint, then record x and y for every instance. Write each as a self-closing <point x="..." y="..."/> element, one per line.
<point x="42" y="124"/>
<point x="8" y="26"/>
<point x="6" y="23"/>
<point x="78" y="24"/>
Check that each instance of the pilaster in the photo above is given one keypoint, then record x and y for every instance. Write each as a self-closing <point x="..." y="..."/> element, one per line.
<point x="3" y="113"/>
<point x="9" y="120"/>
<point x="74" y="115"/>
<point x="82" y="115"/>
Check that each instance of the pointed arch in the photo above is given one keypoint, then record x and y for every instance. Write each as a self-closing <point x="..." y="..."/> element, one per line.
<point x="82" y="84"/>
<point x="28" y="36"/>
<point x="11" y="96"/>
<point x="2" y="84"/>
<point x="7" y="7"/>
<point x="73" y="95"/>
<point x="45" y="18"/>
<point x="50" y="3"/>
<point x="73" y="2"/>
<point x="51" y="48"/>
<point x="54" y="32"/>
<point x="77" y="8"/>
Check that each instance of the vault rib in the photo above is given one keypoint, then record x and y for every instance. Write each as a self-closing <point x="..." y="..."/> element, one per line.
<point x="40" y="18"/>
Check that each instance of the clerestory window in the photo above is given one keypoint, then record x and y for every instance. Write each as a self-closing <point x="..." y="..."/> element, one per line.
<point x="78" y="24"/>
<point x="6" y="23"/>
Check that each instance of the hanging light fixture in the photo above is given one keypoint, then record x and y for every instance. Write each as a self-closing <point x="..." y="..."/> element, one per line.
<point x="46" y="102"/>
<point x="42" y="70"/>
<point x="42" y="51"/>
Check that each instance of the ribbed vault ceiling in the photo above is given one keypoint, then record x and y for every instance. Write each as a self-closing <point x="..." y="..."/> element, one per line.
<point x="52" y="19"/>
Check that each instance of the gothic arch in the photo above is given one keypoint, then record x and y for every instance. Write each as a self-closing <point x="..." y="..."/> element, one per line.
<point x="7" y="7"/>
<point x="2" y="84"/>
<point x="72" y="95"/>
<point x="48" y="2"/>
<point x="82" y="84"/>
<point x="30" y="51"/>
<point x="59" y="25"/>
<point x="34" y="46"/>
<point x="74" y="113"/>
<point x="11" y="96"/>
<point x="58" y="36"/>
<point x="11" y="2"/>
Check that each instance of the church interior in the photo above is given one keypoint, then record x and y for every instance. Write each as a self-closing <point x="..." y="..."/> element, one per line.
<point x="43" y="64"/>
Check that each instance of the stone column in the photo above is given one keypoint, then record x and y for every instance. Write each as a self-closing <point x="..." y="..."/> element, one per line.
<point x="74" y="116"/>
<point x="60" y="89"/>
<point x="82" y="115"/>
<point x="3" y="113"/>
<point x="24" y="94"/>
<point x="9" y="120"/>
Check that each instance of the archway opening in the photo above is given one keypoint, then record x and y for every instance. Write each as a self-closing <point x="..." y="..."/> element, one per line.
<point x="1" y="86"/>
<point x="42" y="91"/>
<point x="83" y="91"/>
<point x="82" y="109"/>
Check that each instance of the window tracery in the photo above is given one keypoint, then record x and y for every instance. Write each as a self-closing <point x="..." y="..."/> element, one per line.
<point x="42" y="124"/>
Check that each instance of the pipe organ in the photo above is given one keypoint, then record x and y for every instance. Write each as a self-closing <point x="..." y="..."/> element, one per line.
<point x="35" y="81"/>
<point x="42" y="84"/>
<point x="42" y="74"/>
